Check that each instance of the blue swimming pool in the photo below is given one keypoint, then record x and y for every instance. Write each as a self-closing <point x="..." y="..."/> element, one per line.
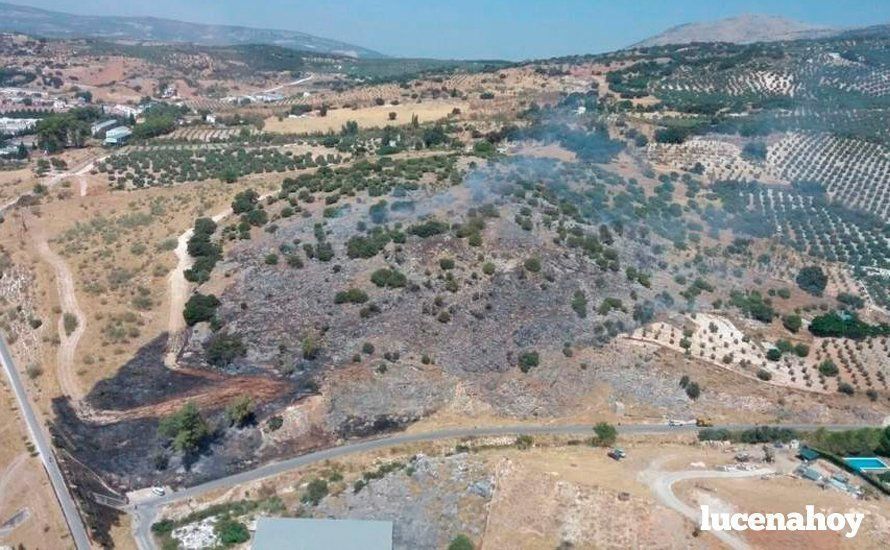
<point x="862" y="463"/>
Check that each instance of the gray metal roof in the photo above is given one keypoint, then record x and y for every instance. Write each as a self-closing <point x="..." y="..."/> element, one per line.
<point x="322" y="534"/>
<point x="121" y="131"/>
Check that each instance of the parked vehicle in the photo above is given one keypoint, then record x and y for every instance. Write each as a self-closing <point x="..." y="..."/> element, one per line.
<point x="617" y="454"/>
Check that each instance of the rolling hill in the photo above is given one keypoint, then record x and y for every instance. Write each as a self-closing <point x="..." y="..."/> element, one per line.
<point x="53" y="24"/>
<point x="744" y="29"/>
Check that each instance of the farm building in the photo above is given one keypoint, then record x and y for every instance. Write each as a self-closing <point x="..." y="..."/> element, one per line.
<point x="97" y="129"/>
<point x="117" y="136"/>
<point x="322" y="534"/>
<point x="808" y="455"/>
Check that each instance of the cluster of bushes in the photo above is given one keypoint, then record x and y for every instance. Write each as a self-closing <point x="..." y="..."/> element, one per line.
<point x="753" y="304"/>
<point x="368" y="246"/>
<point x="246" y="203"/>
<point x="389" y="278"/>
<point x="428" y="228"/>
<point x="846" y="325"/>
<point x="351" y="296"/>
<point x="784" y="346"/>
<point x="205" y="252"/>
<point x="693" y="390"/>
<point x="759" y="434"/>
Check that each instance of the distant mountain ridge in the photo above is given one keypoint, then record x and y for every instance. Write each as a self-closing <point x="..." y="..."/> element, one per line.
<point x="53" y="24"/>
<point x="743" y="29"/>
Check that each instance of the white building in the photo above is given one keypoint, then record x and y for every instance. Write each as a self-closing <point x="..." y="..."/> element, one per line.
<point x="16" y="125"/>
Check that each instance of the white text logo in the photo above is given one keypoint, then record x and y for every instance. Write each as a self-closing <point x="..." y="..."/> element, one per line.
<point x="794" y="521"/>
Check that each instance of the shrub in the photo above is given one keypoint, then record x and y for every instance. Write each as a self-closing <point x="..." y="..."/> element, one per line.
<point x="792" y="322"/>
<point x="367" y="247"/>
<point x="351" y="296"/>
<point x="428" y="228"/>
<point x="579" y="303"/>
<point x="764" y="375"/>
<point x="812" y="279"/>
<point x="606" y="434"/>
<point x="533" y="265"/>
<point x="446" y="263"/>
<point x="828" y="368"/>
<point x="222" y="349"/>
<point x="240" y="413"/>
<point x="231" y="532"/>
<point x="773" y="354"/>
<point x="275" y="423"/>
<point x="693" y="390"/>
<point x="316" y="490"/>
<point x="524" y="442"/>
<point x="389" y="278"/>
<point x="845" y="388"/>
<point x="69" y="321"/>
<point x="200" y="308"/>
<point x="528" y="360"/>
<point x="245" y="201"/>
<point x="310" y="348"/>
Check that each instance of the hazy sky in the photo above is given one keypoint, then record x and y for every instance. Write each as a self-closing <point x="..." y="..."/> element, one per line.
<point x="505" y="29"/>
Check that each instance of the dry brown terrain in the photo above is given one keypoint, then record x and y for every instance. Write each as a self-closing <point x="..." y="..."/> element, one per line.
<point x="366" y="117"/>
<point x="25" y="487"/>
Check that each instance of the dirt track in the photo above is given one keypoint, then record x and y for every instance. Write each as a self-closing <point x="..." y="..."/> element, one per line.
<point x="179" y="291"/>
<point x="68" y="381"/>
<point x="662" y="483"/>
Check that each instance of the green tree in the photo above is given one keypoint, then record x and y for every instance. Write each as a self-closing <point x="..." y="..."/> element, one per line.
<point x="828" y="368"/>
<point x="200" y="308"/>
<point x="812" y="279"/>
<point x="186" y="427"/>
<point x="606" y="434"/>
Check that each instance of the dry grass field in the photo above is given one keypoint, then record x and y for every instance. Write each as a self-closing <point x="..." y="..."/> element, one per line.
<point x="119" y="250"/>
<point x="366" y="117"/>
<point x="25" y="487"/>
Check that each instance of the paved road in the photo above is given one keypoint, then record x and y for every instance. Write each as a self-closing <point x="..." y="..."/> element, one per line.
<point x="145" y="512"/>
<point x="41" y="441"/>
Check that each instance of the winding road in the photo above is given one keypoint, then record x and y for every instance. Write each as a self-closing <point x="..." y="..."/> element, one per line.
<point x="145" y="512"/>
